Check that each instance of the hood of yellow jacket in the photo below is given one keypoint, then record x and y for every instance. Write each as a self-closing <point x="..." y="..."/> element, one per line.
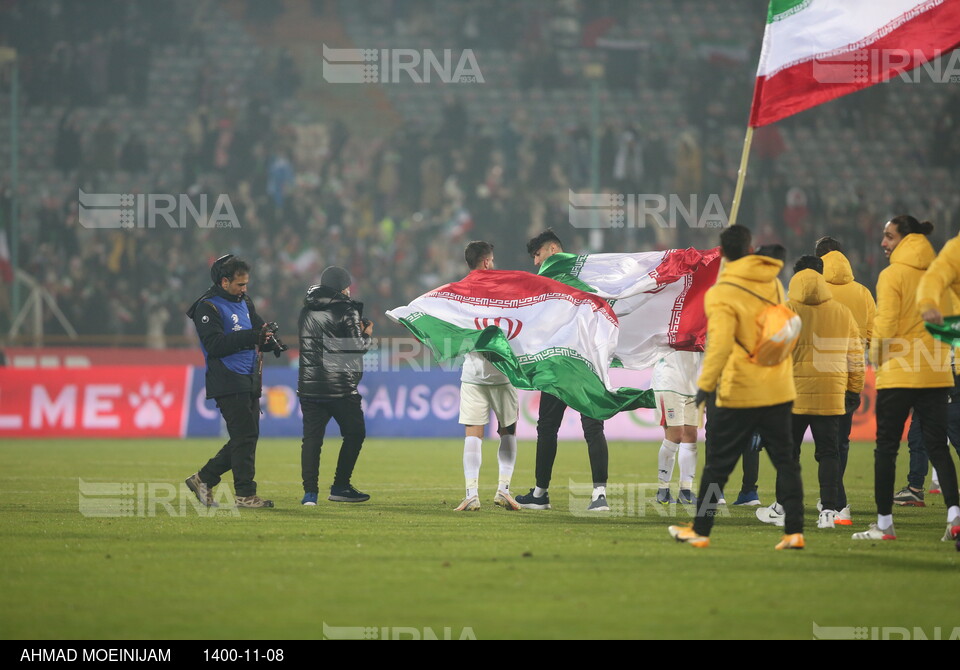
<point x="836" y="268"/>
<point x="914" y="250"/>
<point x="809" y="287"/>
<point x="754" y="268"/>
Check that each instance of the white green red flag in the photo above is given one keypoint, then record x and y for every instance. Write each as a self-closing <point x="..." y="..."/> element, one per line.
<point x="657" y="296"/>
<point x="542" y="334"/>
<point x="817" y="50"/>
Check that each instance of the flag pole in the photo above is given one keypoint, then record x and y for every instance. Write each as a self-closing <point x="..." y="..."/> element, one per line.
<point x="741" y="176"/>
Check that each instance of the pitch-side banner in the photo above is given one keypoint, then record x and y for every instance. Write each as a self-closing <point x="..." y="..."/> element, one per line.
<point x="168" y="401"/>
<point x="405" y="403"/>
<point x="641" y="425"/>
<point x="106" y="401"/>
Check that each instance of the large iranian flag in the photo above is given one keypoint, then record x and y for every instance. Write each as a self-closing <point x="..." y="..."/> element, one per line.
<point x="542" y="334"/>
<point x="657" y="295"/>
<point x="817" y="50"/>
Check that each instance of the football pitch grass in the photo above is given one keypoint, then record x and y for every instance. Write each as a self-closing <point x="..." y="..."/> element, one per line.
<point x="406" y="560"/>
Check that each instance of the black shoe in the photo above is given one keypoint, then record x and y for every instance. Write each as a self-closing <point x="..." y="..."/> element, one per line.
<point x="347" y="494"/>
<point x="599" y="505"/>
<point x="530" y="501"/>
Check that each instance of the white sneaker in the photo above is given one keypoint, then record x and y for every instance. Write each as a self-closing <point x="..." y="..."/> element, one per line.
<point x="843" y="517"/>
<point x="773" y="514"/>
<point x="471" y="504"/>
<point x="505" y="500"/>
<point x="827" y="519"/>
<point x="875" y="532"/>
<point x="953" y="530"/>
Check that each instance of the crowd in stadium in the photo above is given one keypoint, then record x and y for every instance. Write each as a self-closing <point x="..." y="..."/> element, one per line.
<point x="388" y="209"/>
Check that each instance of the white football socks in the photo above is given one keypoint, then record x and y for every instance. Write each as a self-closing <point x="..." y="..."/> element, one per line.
<point x="665" y="461"/>
<point x="599" y="491"/>
<point x="953" y="513"/>
<point x="884" y="520"/>
<point x="507" y="458"/>
<point x="688" y="464"/>
<point x="471" y="464"/>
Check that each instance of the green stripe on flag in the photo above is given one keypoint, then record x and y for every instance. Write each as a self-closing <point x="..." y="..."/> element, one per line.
<point x="565" y="268"/>
<point x="558" y="371"/>
<point x="782" y="9"/>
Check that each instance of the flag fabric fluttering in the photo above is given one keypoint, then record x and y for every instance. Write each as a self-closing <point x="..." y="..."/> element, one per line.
<point x="542" y="334"/>
<point x="817" y="50"/>
<point x="657" y="296"/>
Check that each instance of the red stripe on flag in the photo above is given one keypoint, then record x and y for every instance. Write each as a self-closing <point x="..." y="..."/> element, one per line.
<point x="678" y="263"/>
<point x="511" y="289"/>
<point x="689" y="332"/>
<point x="796" y="89"/>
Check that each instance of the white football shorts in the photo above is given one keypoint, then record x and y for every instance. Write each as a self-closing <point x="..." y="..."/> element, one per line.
<point x="476" y="401"/>
<point x="674" y="409"/>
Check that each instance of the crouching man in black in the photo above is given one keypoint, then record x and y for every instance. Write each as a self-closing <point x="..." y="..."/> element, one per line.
<point x="333" y="338"/>
<point x="233" y="338"/>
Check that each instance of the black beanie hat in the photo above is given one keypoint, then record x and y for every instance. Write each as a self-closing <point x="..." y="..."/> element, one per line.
<point x="336" y="277"/>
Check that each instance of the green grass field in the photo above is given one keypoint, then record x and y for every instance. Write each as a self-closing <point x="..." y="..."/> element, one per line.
<point x="405" y="559"/>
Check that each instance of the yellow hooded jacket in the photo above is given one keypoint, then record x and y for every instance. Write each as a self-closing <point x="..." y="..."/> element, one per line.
<point x="905" y="354"/>
<point x="941" y="282"/>
<point x="828" y="359"/>
<point x="855" y="296"/>
<point x="732" y="333"/>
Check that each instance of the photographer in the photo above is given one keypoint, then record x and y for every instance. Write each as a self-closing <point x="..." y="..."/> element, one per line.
<point x="233" y="338"/>
<point x="333" y="337"/>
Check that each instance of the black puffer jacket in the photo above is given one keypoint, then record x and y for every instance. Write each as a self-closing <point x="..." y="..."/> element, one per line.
<point x="332" y="344"/>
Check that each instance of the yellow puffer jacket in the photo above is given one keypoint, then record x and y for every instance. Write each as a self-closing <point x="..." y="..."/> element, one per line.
<point x="941" y="281"/>
<point x="856" y="297"/>
<point x="828" y="359"/>
<point x="905" y="354"/>
<point x="732" y="333"/>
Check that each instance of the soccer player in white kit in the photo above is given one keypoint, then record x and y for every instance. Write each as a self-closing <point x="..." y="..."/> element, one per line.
<point x="484" y="388"/>
<point x="674" y="384"/>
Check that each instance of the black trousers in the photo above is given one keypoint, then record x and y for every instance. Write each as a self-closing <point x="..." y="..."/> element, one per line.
<point x="843" y="444"/>
<point x="825" y="431"/>
<point x="241" y="412"/>
<point x="751" y="469"/>
<point x="548" y="426"/>
<point x="348" y="414"/>
<point x="893" y="407"/>
<point x="730" y="434"/>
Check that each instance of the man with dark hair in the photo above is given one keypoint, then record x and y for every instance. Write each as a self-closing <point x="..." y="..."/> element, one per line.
<point x="333" y="338"/>
<point x="749" y="397"/>
<point x="736" y="242"/>
<point x="857" y="298"/>
<point x="827" y="364"/>
<point x="231" y="332"/>
<point x="808" y="263"/>
<point x="484" y="388"/>
<point x="825" y="245"/>
<point x="540" y="248"/>
<point x="543" y="246"/>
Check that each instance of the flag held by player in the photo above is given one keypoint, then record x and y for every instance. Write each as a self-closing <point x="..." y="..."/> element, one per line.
<point x="563" y="339"/>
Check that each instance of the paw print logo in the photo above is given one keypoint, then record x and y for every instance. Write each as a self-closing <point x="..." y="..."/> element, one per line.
<point x="150" y="403"/>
